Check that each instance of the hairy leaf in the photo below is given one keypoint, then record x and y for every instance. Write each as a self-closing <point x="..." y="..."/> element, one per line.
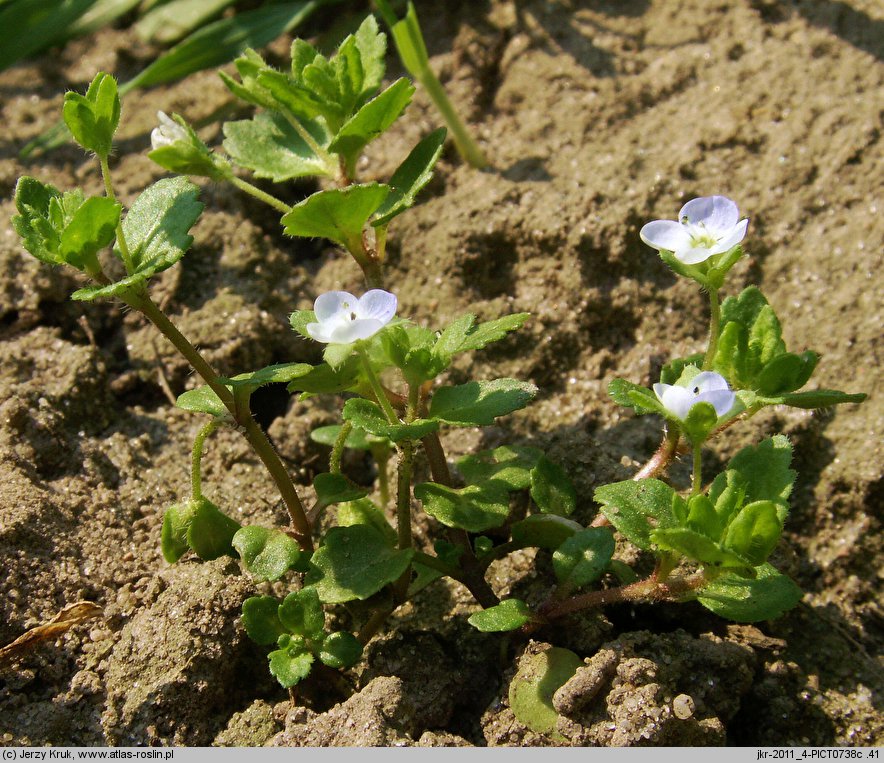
<point x="506" y="616"/>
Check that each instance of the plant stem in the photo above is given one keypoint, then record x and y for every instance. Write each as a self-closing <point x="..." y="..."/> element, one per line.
<point x="473" y="576"/>
<point x="655" y="465"/>
<point x="644" y="590"/>
<point x="109" y="192"/>
<point x="255" y="435"/>
<point x="697" y="476"/>
<point x="714" y="321"/>
<point x="463" y="140"/>
<point x="196" y="458"/>
<point x="403" y="494"/>
<point x="245" y="185"/>
<point x="376" y="387"/>
<point x="334" y="461"/>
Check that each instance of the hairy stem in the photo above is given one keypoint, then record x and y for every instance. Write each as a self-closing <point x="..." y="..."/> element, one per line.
<point x="473" y="576"/>
<point x="334" y="461"/>
<point x="650" y="589"/>
<point x="714" y="321"/>
<point x="697" y="475"/>
<point x="255" y="435"/>
<point x="376" y="387"/>
<point x="109" y="192"/>
<point x="257" y="193"/>
<point x="197" y="456"/>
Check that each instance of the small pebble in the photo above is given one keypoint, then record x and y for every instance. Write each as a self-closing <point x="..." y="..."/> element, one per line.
<point x="683" y="706"/>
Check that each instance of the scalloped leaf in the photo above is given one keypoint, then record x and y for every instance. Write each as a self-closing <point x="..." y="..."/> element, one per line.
<point x="764" y="597"/>
<point x="552" y="489"/>
<point x="509" y="464"/>
<point x="638" y="507"/>
<point x="368" y="416"/>
<point x="301" y="613"/>
<point x="261" y="620"/>
<point x="266" y="554"/>
<point x="479" y="403"/>
<point x="583" y="558"/>
<point x="340" y="650"/>
<point x="354" y="563"/>
<point x="474" y="508"/>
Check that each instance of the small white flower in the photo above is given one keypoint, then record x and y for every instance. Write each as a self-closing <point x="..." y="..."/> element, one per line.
<point x="705" y="387"/>
<point x="342" y="318"/>
<point x="167" y="133"/>
<point x="705" y="227"/>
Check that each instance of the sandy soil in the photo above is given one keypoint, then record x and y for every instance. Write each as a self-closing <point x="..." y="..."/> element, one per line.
<point x="598" y="116"/>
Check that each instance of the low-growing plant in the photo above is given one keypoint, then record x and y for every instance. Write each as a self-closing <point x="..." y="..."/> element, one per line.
<point x="711" y="543"/>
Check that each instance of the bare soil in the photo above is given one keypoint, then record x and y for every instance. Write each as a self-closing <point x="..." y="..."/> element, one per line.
<point x="597" y="116"/>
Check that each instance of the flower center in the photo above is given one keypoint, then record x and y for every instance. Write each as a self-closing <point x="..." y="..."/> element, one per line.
<point x="700" y="237"/>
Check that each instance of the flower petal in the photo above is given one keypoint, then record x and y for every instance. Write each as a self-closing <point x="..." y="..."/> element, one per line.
<point x="333" y="302"/>
<point x="351" y="331"/>
<point x="722" y="400"/>
<point x="708" y="381"/>
<point x="377" y="304"/>
<point x="665" y="234"/>
<point x="717" y="213"/>
<point x="676" y="400"/>
<point x="693" y="254"/>
<point x="733" y="237"/>
<point x="317" y="331"/>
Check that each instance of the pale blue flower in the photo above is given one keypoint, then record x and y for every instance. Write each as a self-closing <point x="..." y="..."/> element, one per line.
<point x="342" y="318"/>
<point x="705" y="387"/>
<point x="706" y="226"/>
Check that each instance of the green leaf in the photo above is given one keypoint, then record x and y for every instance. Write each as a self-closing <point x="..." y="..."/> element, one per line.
<point x="93" y="118"/>
<point x="290" y="664"/>
<point x="583" y="558"/>
<point x="156" y="227"/>
<point x="474" y="508"/>
<point x="630" y="395"/>
<point x="547" y="531"/>
<point x="202" y="400"/>
<point x="410" y="43"/>
<point x="29" y="27"/>
<point x="373" y="119"/>
<point x="356" y="438"/>
<point x="270" y="147"/>
<point x="267" y="554"/>
<point x="260" y="618"/>
<point x="250" y="66"/>
<point x="492" y="331"/>
<point x="340" y="650"/>
<point x="221" y="41"/>
<point x="325" y="379"/>
<point x="754" y="532"/>
<point x="364" y="512"/>
<point x="699" y="422"/>
<point x="704" y="518"/>
<point x="210" y="533"/>
<point x="552" y="489"/>
<point x="538" y="678"/>
<point x="787" y="372"/>
<point x="336" y="488"/>
<point x="92" y="228"/>
<point x="176" y="522"/>
<point x="672" y="371"/>
<point x="765" y="469"/>
<point x="508" y="464"/>
<point x="338" y="214"/>
<point x="744" y="600"/>
<point x="300" y="102"/>
<point x="354" y="563"/>
<point x="818" y="398"/>
<point x="506" y="616"/>
<point x="411" y="177"/>
<point x="698" y="547"/>
<point x="301" y="613"/>
<point x="453" y="336"/>
<point x="34" y="223"/>
<point x="280" y="373"/>
<point x="200" y="525"/>
<point x="368" y="416"/>
<point x="638" y="507"/>
<point x="479" y="403"/>
<point x="372" y="46"/>
<point x="169" y="22"/>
